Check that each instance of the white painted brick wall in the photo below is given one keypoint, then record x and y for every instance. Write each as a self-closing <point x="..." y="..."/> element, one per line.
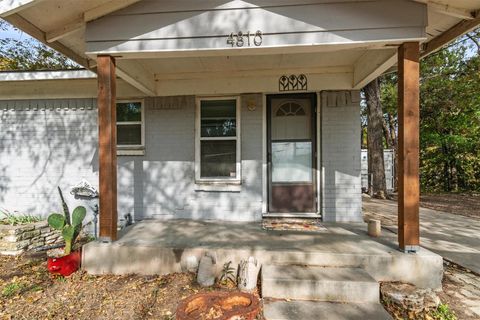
<point x="163" y="181"/>
<point x="47" y="143"/>
<point x="56" y="144"/>
<point x="342" y="200"/>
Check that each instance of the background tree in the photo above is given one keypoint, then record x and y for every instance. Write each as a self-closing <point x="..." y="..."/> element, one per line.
<point x="376" y="169"/>
<point x="449" y="117"/>
<point x="389" y="100"/>
<point x="29" y="54"/>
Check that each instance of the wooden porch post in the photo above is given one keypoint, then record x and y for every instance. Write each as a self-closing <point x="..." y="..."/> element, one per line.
<point x="107" y="140"/>
<point x="408" y="146"/>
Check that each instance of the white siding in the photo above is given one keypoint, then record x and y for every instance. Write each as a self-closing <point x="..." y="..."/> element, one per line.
<point x="170" y="25"/>
<point x="341" y="198"/>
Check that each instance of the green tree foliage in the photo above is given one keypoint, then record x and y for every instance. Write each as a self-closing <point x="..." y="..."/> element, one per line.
<point x="449" y="116"/>
<point x="29" y="54"/>
<point x="450" y="119"/>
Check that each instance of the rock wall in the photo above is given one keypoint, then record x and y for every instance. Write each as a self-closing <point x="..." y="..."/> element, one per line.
<point x="17" y="239"/>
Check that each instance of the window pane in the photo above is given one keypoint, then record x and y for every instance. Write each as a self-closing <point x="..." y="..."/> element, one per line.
<point x="218" y="159"/>
<point x="129" y="111"/>
<point x="218" y="118"/>
<point x="291" y="120"/>
<point x="129" y="134"/>
<point x="291" y="161"/>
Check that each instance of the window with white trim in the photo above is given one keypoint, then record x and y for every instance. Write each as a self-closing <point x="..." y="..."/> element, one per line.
<point x="217" y="140"/>
<point x="130" y="126"/>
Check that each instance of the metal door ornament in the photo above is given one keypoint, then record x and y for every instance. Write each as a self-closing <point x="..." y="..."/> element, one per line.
<point x="293" y="83"/>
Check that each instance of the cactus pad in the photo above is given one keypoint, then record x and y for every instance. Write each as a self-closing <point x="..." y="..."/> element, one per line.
<point x="56" y="221"/>
<point x="78" y="215"/>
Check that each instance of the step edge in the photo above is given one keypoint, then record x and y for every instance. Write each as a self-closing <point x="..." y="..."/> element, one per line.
<point x="377" y="306"/>
<point x="319" y="280"/>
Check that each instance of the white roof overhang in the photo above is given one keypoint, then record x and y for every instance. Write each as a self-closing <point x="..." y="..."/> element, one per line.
<point x="61" y="24"/>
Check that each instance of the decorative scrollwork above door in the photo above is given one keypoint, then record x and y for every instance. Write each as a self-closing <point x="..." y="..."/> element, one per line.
<point x="293" y="83"/>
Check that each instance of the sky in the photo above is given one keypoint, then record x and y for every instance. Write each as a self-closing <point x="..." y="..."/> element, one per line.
<point x="13" y="33"/>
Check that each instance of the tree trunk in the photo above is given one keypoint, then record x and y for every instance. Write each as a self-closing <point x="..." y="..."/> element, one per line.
<point x="446" y="171"/>
<point x="376" y="166"/>
<point x="387" y="134"/>
<point x="394" y="138"/>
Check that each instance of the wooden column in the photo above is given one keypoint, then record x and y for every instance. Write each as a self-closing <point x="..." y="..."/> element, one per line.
<point x="408" y="146"/>
<point x="107" y="140"/>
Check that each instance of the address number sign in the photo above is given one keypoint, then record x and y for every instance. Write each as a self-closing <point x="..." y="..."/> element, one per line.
<point x="247" y="39"/>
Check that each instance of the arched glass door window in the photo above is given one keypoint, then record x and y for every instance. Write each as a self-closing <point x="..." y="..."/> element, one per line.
<point x="290" y="108"/>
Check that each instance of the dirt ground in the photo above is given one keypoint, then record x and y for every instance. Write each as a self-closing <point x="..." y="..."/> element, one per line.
<point x="461" y="287"/>
<point x="462" y="204"/>
<point x="467" y="205"/>
<point x="455" y="203"/>
<point x="28" y="291"/>
<point x="461" y="293"/>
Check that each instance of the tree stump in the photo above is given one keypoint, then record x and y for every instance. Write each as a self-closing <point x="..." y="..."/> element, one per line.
<point x="219" y="306"/>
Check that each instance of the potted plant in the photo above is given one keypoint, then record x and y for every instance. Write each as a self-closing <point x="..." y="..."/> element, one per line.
<point x="68" y="261"/>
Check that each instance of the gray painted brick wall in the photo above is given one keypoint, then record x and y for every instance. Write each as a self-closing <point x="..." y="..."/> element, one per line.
<point x="342" y="199"/>
<point x="50" y="143"/>
<point x="56" y="144"/>
<point x="45" y="144"/>
<point x="161" y="184"/>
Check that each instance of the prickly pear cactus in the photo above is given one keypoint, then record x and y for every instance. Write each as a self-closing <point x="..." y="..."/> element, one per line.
<point x="69" y="225"/>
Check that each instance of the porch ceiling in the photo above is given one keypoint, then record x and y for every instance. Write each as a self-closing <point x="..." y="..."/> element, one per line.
<point x="189" y="65"/>
<point x="61" y="24"/>
<point x="332" y="70"/>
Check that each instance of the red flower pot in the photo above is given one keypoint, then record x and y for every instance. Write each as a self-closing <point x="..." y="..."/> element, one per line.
<point x="65" y="265"/>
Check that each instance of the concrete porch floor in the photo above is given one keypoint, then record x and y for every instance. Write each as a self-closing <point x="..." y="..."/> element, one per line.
<point x="161" y="247"/>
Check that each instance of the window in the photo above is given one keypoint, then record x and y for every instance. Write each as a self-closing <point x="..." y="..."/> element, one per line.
<point x="290" y="109"/>
<point x="130" y="128"/>
<point x="217" y="140"/>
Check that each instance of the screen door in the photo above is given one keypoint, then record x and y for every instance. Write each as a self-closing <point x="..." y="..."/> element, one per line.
<point x="291" y="153"/>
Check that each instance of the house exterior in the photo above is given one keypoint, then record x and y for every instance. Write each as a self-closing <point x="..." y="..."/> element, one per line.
<point x="159" y="179"/>
<point x="220" y="110"/>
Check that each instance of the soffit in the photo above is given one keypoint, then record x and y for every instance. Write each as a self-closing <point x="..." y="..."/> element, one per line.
<point x="252" y="63"/>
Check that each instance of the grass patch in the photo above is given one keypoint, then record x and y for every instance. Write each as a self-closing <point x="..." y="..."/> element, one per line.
<point x="16" y="219"/>
<point x="12" y="289"/>
<point x="36" y="288"/>
<point x="443" y="312"/>
<point x="61" y="279"/>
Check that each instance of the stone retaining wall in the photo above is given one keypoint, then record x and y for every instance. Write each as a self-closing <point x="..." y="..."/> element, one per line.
<point x="17" y="239"/>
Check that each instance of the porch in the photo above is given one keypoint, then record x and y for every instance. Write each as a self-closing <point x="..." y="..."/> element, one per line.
<point x="300" y="52"/>
<point x="234" y="48"/>
<point x="161" y="247"/>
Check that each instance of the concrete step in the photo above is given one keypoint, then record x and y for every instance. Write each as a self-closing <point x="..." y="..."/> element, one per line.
<point x="319" y="283"/>
<point x="315" y="310"/>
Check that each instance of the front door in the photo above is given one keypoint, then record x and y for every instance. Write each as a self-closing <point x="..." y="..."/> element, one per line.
<point x="291" y="153"/>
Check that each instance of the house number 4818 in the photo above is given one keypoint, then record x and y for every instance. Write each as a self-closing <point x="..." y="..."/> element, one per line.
<point x="241" y="39"/>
